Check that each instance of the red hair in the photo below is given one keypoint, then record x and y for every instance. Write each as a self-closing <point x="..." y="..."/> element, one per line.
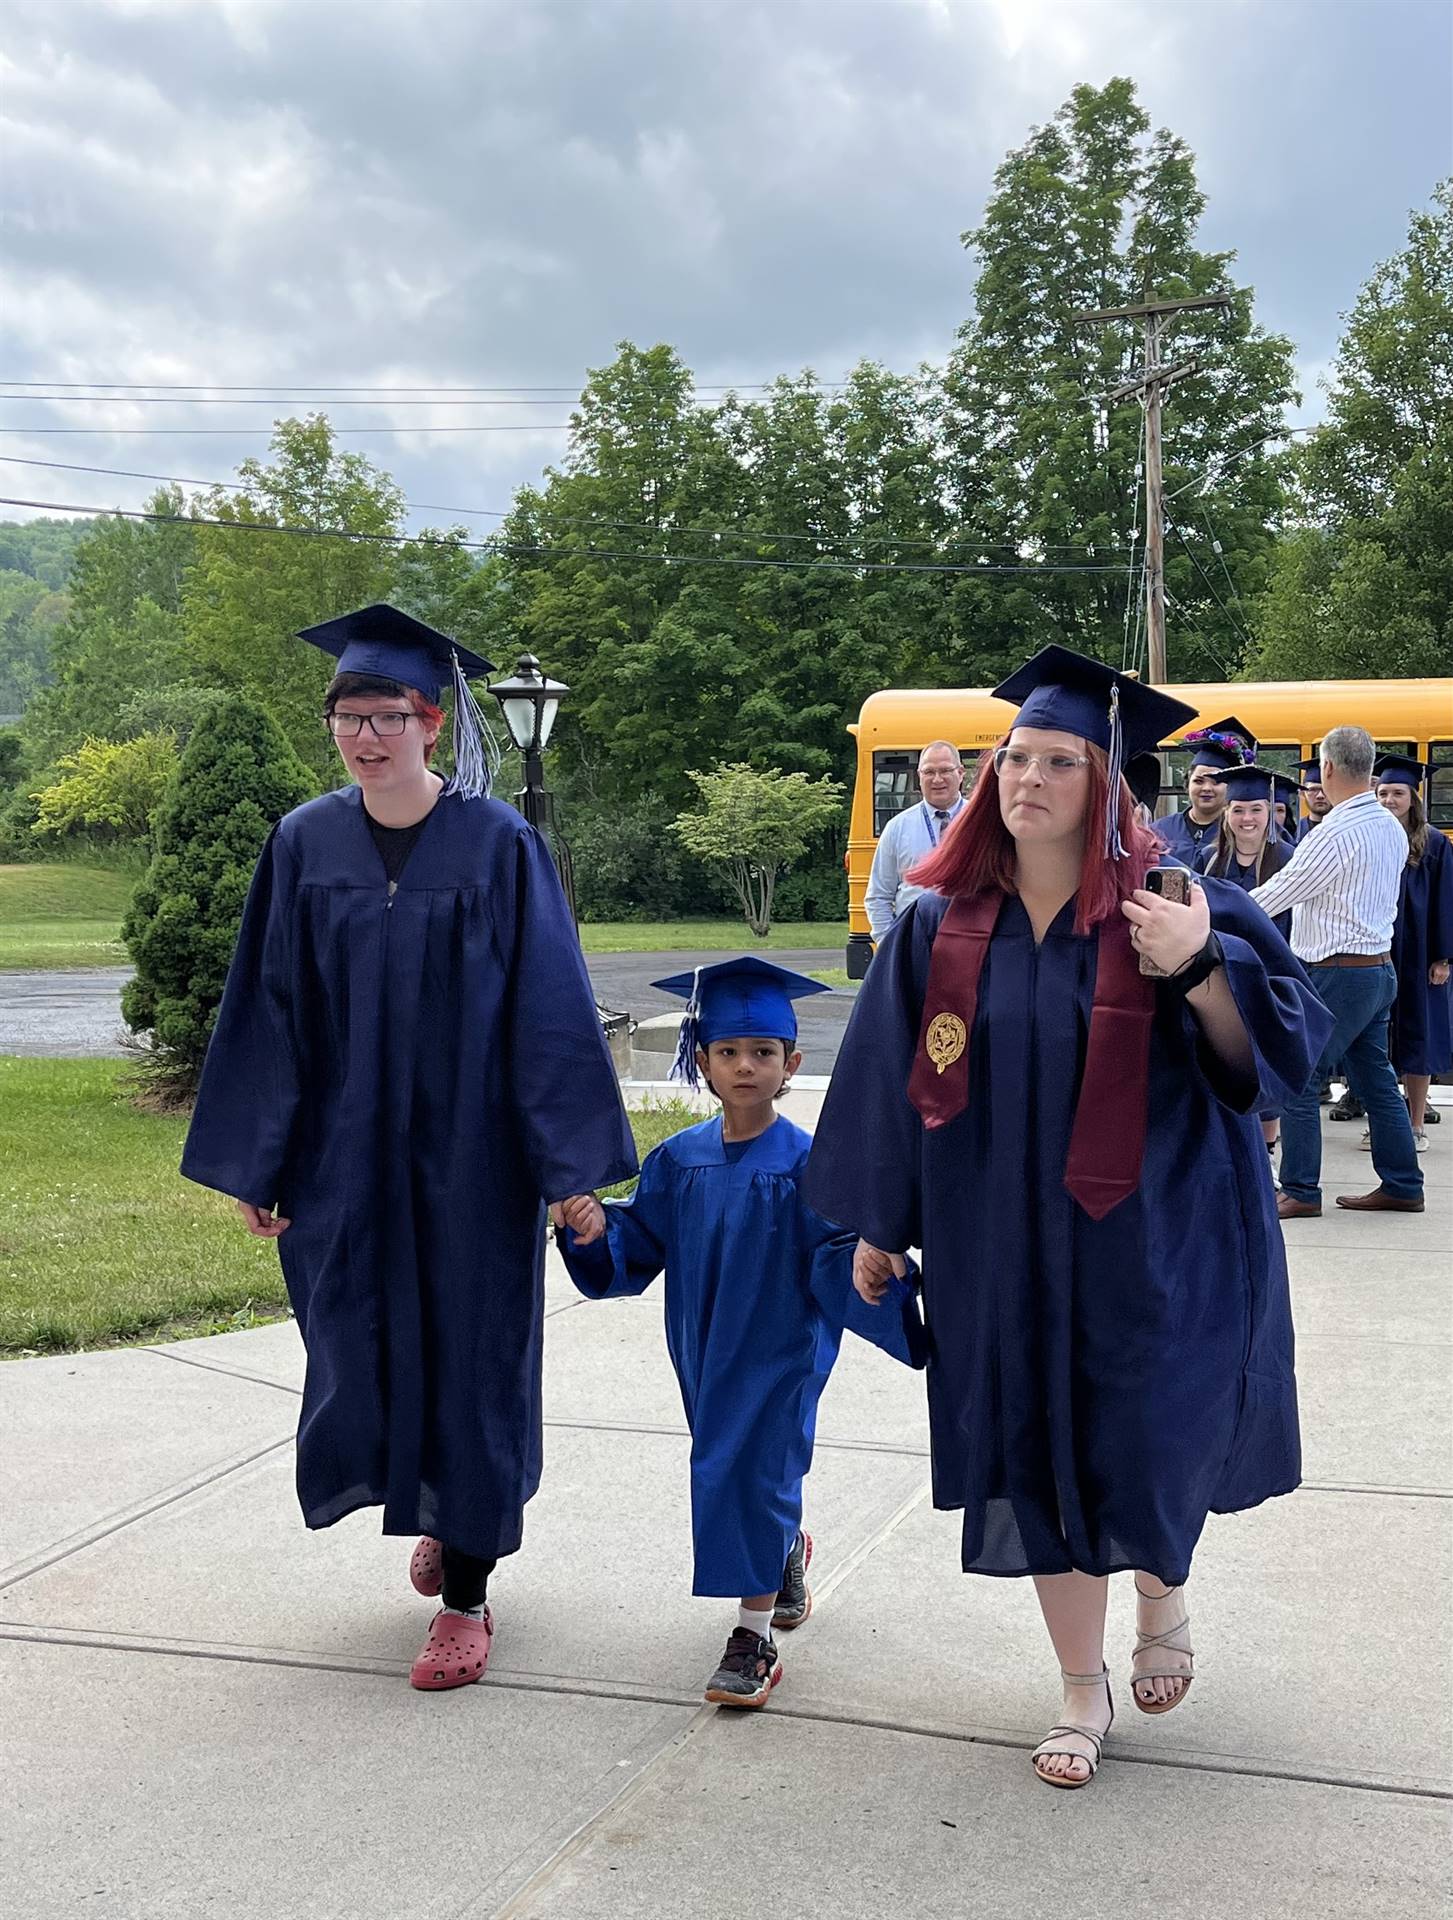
<point x="977" y="853"/>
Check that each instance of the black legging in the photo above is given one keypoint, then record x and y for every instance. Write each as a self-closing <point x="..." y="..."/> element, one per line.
<point x="466" y="1580"/>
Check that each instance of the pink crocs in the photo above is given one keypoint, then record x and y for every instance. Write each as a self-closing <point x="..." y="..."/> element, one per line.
<point x="455" y="1653"/>
<point x="426" y="1569"/>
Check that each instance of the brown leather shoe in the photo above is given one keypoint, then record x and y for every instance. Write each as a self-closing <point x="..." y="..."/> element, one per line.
<point x="1289" y="1209"/>
<point x="1379" y="1201"/>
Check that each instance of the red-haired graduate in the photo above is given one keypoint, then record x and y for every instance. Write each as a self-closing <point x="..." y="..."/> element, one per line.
<point x="1074" y="1147"/>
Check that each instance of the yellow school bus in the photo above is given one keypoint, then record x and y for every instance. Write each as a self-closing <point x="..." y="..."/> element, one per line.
<point x="1288" y="718"/>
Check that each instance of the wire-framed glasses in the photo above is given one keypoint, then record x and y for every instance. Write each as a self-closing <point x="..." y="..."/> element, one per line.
<point x="1052" y="766"/>
<point x="348" y="726"/>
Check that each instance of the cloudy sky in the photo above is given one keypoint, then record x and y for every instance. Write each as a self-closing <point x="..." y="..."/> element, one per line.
<point x="491" y="193"/>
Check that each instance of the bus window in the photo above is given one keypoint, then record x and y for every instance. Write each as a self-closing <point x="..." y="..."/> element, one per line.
<point x="1440" y="807"/>
<point x="895" y="786"/>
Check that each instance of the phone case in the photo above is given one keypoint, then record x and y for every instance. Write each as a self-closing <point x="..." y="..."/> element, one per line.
<point x="1174" y="884"/>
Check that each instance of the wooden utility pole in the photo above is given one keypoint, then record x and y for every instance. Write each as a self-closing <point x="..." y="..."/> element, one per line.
<point x="1149" y="387"/>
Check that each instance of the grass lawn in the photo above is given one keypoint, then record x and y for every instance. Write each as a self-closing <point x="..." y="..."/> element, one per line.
<point x="102" y="1241"/>
<point x="55" y="916"/>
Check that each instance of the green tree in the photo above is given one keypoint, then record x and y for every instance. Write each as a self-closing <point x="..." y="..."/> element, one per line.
<point x="234" y="782"/>
<point x="274" y="569"/>
<point x="1363" y="586"/>
<point x="753" y="825"/>
<point x="1090" y="213"/>
<point x="30" y="613"/>
<point x="112" y="785"/>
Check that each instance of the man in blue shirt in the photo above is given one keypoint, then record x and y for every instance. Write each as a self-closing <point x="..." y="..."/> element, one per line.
<point x="913" y="833"/>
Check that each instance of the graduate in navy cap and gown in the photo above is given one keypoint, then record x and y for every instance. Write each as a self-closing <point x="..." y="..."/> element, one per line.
<point x="1212" y="749"/>
<point x="758" y="1292"/>
<point x="1318" y="805"/>
<point x="1420" y="1034"/>
<point x="407" y="1065"/>
<point x="1065" y="1137"/>
<point x="1284" y="806"/>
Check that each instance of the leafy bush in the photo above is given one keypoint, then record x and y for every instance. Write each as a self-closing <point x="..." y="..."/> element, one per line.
<point x="629" y="865"/>
<point x="115" y="786"/>
<point x="235" y="781"/>
<point x="753" y="826"/>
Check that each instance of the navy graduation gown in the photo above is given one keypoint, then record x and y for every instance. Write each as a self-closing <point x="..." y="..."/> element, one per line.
<point x="1183" y="839"/>
<point x="758" y="1290"/>
<point x="1419" y="1038"/>
<point x="408" y="1074"/>
<point x="1095" y="1388"/>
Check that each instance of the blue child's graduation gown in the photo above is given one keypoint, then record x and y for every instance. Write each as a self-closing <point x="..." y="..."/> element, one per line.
<point x="1095" y="1387"/>
<point x="758" y="1290"/>
<point x="1419" y="1039"/>
<point x="408" y="1074"/>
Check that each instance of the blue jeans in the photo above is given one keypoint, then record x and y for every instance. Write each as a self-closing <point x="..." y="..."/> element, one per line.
<point x="1358" y="999"/>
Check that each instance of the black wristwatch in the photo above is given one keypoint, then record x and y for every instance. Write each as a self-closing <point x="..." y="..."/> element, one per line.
<point x="1198" y="968"/>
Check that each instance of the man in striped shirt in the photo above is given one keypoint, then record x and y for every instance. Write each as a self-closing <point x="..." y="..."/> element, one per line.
<point x="1342" y="887"/>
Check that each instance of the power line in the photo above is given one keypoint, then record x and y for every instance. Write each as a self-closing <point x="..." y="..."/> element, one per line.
<point x="237" y="433"/>
<point x="1210" y="585"/>
<point x="817" y="564"/>
<point x="763" y="536"/>
<point x="262" y="400"/>
<point x="163" y="387"/>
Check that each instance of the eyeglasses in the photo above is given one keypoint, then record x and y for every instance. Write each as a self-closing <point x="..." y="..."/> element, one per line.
<point x="348" y="726"/>
<point x="1052" y="766"/>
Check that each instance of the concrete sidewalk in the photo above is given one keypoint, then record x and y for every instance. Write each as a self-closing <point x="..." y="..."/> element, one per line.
<point x="204" y="1710"/>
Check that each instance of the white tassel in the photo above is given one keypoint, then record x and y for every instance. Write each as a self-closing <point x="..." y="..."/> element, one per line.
<point x="1114" y="846"/>
<point x="684" y="1066"/>
<point x="476" y="750"/>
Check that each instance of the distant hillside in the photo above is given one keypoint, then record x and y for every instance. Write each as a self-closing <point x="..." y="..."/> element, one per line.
<point x="43" y="549"/>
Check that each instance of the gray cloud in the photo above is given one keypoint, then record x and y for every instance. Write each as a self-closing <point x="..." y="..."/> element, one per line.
<point x="466" y="191"/>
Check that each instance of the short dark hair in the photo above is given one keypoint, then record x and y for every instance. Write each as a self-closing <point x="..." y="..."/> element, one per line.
<point x="345" y="686"/>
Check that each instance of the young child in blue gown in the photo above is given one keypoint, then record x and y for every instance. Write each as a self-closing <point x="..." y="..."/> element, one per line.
<point x="758" y="1291"/>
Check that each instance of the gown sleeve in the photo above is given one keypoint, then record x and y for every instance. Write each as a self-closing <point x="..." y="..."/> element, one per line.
<point x="566" y="1096"/>
<point x="863" y="1171"/>
<point x="632" y="1250"/>
<point x="1440" y="900"/>
<point x="895" y="1324"/>
<point x="1285" y="1022"/>
<point x="251" y="1086"/>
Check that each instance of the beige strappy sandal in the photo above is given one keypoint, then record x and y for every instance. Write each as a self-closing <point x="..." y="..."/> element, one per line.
<point x="1175" y="1639"/>
<point x="1090" y="1740"/>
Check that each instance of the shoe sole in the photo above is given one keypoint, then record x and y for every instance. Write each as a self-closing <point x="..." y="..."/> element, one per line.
<point x="717" y="1697"/>
<point x="1161" y="1706"/>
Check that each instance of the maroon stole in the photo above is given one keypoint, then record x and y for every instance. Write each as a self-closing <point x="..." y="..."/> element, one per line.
<point x="1107" y="1145"/>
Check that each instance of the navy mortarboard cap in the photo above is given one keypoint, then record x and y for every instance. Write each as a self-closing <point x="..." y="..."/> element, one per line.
<point x="1311" y="770"/>
<point x="743" y="998"/>
<point x="391" y="644"/>
<point x="1069" y="693"/>
<point x="1225" y="743"/>
<point x="1396" y="769"/>
<point x="1287" y="789"/>
<point x="1142" y="776"/>
<point x="1249" y="782"/>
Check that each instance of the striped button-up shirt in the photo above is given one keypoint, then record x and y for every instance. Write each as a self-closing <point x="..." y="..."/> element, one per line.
<point x="1342" y="882"/>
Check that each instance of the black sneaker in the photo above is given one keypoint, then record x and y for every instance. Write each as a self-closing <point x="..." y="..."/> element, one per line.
<point x="794" y="1602"/>
<point x="748" y="1672"/>
<point x="1349" y="1107"/>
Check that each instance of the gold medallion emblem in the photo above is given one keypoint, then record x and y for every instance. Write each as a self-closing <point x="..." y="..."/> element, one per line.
<point x="945" y="1040"/>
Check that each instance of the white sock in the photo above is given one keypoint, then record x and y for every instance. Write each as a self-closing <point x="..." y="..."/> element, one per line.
<point x="757" y="1623"/>
<point x="469" y="1613"/>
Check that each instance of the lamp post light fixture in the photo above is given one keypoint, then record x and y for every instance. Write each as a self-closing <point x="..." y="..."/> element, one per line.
<point x="529" y="701"/>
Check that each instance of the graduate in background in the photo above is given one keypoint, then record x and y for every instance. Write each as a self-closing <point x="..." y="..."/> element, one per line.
<point x="1318" y="805"/>
<point x="1212" y="749"/>
<point x="1248" y="850"/>
<point x="758" y="1290"/>
<point x="1066" y="1139"/>
<point x="1284" y="807"/>
<point x="1420" y="1036"/>
<point x="407" y="1065"/>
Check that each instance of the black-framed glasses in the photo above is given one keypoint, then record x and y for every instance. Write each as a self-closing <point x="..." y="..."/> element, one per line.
<point x="1053" y="766"/>
<point x="348" y="726"/>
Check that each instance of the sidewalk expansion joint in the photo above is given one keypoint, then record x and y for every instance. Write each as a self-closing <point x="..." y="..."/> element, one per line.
<point x="225" y="1373"/>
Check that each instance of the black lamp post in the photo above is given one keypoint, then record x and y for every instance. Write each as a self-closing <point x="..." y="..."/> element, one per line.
<point x="529" y="701"/>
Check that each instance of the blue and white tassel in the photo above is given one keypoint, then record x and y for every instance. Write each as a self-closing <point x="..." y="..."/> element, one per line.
<point x="1114" y="845"/>
<point x="476" y="750"/>
<point x="684" y="1066"/>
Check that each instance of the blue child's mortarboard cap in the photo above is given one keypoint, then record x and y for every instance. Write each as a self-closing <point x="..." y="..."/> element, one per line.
<point x="1396" y="769"/>
<point x="1069" y="693"/>
<point x="385" y="641"/>
<point x="743" y="998"/>
<point x="1225" y="743"/>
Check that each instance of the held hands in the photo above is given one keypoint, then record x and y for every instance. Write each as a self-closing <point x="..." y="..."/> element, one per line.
<point x="872" y="1270"/>
<point x="1171" y="934"/>
<point x="261" y="1222"/>
<point x="1438" y="974"/>
<point x="583" y="1214"/>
